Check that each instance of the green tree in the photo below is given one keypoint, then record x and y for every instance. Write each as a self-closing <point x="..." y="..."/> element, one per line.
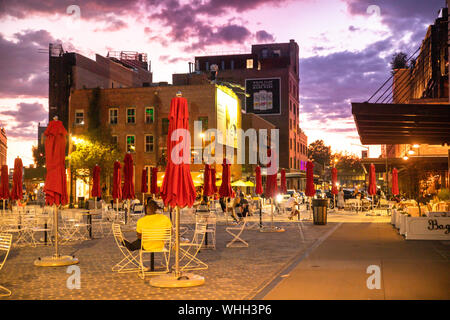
<point x="95" y="147"/>
<point x="348" y="162"/>
<point x="319" y="152"/>
<point x="399" y="61"/>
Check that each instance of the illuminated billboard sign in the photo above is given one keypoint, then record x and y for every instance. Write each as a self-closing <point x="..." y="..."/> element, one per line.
<point x="263" y="96"/>
<point x="227" y="113"/>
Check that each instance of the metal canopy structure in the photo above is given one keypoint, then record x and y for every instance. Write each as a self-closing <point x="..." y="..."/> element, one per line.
<point x="381" y="123"/>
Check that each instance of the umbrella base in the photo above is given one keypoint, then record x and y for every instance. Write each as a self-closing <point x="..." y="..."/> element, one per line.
<point x="55" y="261"/>
<point x="170" y="281"/>
<point x="271" y="229"/>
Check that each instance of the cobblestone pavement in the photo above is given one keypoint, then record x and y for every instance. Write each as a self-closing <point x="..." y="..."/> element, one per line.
<point x="233" y="273"/>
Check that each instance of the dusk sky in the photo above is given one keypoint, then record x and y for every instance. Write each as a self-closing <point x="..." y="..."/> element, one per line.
<point x="344" y="49"/>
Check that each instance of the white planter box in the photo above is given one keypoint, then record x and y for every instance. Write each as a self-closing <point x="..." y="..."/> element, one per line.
<point x="393" y="216"/>
<point x="402" y="229"/>
<point x="427" y="228"/>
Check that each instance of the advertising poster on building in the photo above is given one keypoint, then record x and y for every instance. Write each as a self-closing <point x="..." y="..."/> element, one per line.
<point x="227" y="108"/>
<point x="263" y="96"/>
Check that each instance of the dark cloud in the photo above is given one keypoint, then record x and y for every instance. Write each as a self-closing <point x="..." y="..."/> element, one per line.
<point x="263" y="36"/>
<point x="24" y="119"/>
<point x="329" y="83"/>
<point x="23" y="68"/>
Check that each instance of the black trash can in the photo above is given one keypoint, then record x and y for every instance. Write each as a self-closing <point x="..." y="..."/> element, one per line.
<point x="320" y="211"/>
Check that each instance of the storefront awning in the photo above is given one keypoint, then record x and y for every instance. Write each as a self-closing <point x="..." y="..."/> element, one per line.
<point x="381" y="123"/>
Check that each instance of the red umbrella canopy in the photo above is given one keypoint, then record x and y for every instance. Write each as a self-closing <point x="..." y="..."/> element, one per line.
<point x="117" y="180"/>
<point x="395" y="190"/>
<point x="178" y="188"/>
<point x="225" y="189"/>
<point x="4" y="184"/>
<point x="372" y="182"/>
<point x="128" y="175"/>
<point x="17" y="192"/>
<point x="55" y="151"/>
<point x="154" y="181"/>
<point x="283" y="188"/>
<point x="96" y="190"/>
<point x="144" y="177"/>
<point x="207" y="188"/>
<point x="310" y="190"/>
<point x="334" y="189"/>
<point x="258" y="189"/>
<point x="213" y="180"/>
<point x="271" y="181"/>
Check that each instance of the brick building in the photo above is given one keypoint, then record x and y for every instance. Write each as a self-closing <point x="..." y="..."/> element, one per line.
<point x="269" y="75"/>
<point x="71" y="71"/>
<point x="138" y="119"/>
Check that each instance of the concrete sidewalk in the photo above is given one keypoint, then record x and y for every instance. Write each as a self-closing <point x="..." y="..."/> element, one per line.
<point x="337" y="269"/>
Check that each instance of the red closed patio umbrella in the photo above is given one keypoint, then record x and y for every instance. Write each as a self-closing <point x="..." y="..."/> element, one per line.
<point x="178" y="189"/>
<point x="283" y="188"/>
<point x="310" y="190"/>
<point x="117" y="181"/>
<point x="128" y="185"/>
<point x="17" y="191"/>
<point x="225" y="190"/>
<point x="154" y="181"/>
<point x="395" y="190"/>
<point x="55" y="152"/>
<point x="55" y="185"/>
<point x="4" y="185"/>
<point x="96" y="190"/>
<point x="334" y="189"/>
<point x="144" y="184"/>
<point x="258" y="187"/>
<point x="207" y="187"/>
<point x="372" y="182"/>
<point x="213" y="180"/>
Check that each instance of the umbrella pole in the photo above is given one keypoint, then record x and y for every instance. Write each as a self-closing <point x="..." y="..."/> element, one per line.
<point x="334" y="200"/>
<point x="271" y="208"/>
<point x="260" y="213"/>
<point x="177" y="242"/>
<point x="55" y="224"/>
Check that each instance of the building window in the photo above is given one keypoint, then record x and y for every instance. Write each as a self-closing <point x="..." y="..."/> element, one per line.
<point x="264" y="53"/>
<point x="131" y="143"/>
<point x="207" y="65"/>
<point x="232" y="64"/>
<point x="113" y="115"/>
<point x="149" y="115"/>
<point x="249" y="63"/>
<point x="79" y="117"/>
<point x="149" y="143"/>
<point x="204" y="121"/>
<point x="165" y="126"/>
<point x="114" y="140"/>
<point x="222" y="65"/>
<point x="131" y="115"/>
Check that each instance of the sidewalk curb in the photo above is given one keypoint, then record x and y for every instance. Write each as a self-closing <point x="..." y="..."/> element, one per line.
<point x="266" y="287"/>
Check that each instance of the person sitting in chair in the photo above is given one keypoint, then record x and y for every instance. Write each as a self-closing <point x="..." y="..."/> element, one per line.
<point x="150" y="220"/>
<point x="243" y="210"/>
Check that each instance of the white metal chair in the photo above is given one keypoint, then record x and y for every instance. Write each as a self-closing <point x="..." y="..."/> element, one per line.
<point x="236" y="232"/>
<point x="190" y="250"/>
<point x="73" y="228"/>
<point x="129" y="262"/>
<point x="157" y="240"/>
<point x="5" y="247"/>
